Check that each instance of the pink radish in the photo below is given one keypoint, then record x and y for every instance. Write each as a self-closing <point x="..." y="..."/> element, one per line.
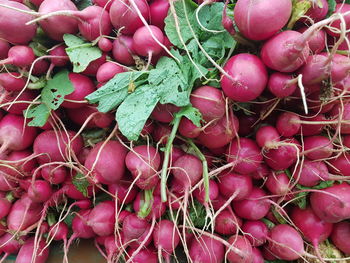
<point x="107" y="71"/>
<point x="40" y="191"/>
<point x="26" y="253"/>
<point x="235" y="184"/>
<point x="226" y="223"/>
<point x="256" y="232"/>
<point x="102" y="218"/>
<point x="281" y="85"/>
<point x="206" y="250"/>
<point x="340" y="236"/>
<point x="12" y="81"/>
<point x="123" y="50"/>
<point x="19" y="56"/>
<point x="144" y="42"/>
<point x="242" y="252"/>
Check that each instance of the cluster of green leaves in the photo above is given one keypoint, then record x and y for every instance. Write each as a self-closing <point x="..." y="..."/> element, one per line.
<point x="197" y="214"/>
<point x="81" y="184"/>
<point x="52" y="96"/>
<point x="135" y="94"/>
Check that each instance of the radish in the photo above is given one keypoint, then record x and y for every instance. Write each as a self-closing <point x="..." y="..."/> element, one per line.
<point x="248" y="77"/>
<point x="340" y="165"/>
<point x="14" y="134"/>
<point x="286" y="243"/>
<point x="317" y="147"/>
<point x="50" y="146"/>
<point x="235" y="184"/>
<point x="20" y="161"/>
<point x="11" y="244"/>
<point x="245" y="155"/>
<point x="143" y="163"/>
<point x="4" y="48"/>
<point x="288" y="124"/>
<point x="12" y="81"/>
<point x="278" y="184"/>
<point x="261" y="20"/>
<point x="164" y="112"/>
<point x="340" y="236"/>
<point x="312" y="129"/>
<point x="254" y="207"/>
<point x="102" y="218"/>
<point x="311" y="173"/>
<point x="226" y="223"/>
<point x="158" y="12"/>
<point x="54" y="174"/>
<point x="5" y="205"/>
<point x="317" y="11"/>
<point x="124" y="15"/>
<point x="155" y="208"/>
<point x="15" y="107"/>
<point x="283" y="52"/>
<point x="134" y="228"/>
<point x="206" y="250"/>
<point x="332" y="204"/>
<point x="340" y="8"/>
<point x="39" y="191"/>
<point x="313" y="228"/>
<point x="34" y="251"/>
<point x="107" y="71"/>
<point x="257" y="256"/>
<point x="123" y="50"/>
<point x="59" y="51"/>
<point x="188" y="129"/>
<point x="244" y="253"/>
<point x="317" y="43"/>
<point x="121" y="192"/>
<point x="256" y="232"/>
<point x="97" y="119"/>
<point x="144" y="255"/>
<point x="80" y="227"/>
<point x="13" y="21"/>
<point x="209" y="101"/>
<point x="267" y="136"/>
<point x="105" y="44"/>
<point x="219" y="133"/>
<point x="165" y="237"/>
<point x="281" y="85"/>
<point x="103" y="3"/>
<point x="19" y="56"/>
<point x="344" y="126"/>
<point x="109" y="167"/>
<point x="199" y="193"/>
<point x="83" y="86"/>
<point x="144" y="41"/>
<point x="93" y="67"/>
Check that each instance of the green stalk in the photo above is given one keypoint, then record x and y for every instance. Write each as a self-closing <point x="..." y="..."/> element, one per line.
<point x="168" y="148"/>
<point x="205" y="168"/>
<point x="146" y="207"/>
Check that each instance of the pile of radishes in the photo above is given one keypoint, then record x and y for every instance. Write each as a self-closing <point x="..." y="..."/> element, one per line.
<point x="264" y="176"/>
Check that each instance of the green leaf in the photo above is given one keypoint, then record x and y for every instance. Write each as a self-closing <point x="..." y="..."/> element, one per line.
<point x="38" y="49"/>
<point x="133" y="113"/>
<point x="40" y="113"/>
<point x="331" y="7"/>
<point x="190" y="113"/>
<point x="80" y="53"/>
<point x="57" y="87"/>
<point x="116" y="90"/>
<point x="197" y="214"/>
<point x="299" y="9"/>
<point x="81" y="184"/>
<point x="82" y="4"/>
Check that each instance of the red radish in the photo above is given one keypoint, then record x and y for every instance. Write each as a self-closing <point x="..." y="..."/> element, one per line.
<point x="261" y="173"/>
<point x="134" y="228"/>
<point x="317" y="12"/>
<point x="288" y="124"/>
<point x="246" y="124"/>
<point x="7" y="184"/>
<point x="276" y="56"/>
<point x="99" y="119"/>
<point x="284" y="156"/>
<point x="188" y="129"/>
<point x="341" y="165"/>
<point x="313" y="228"/>
<point x="4" y="48"/>
<point x="248" y="77"/>
<point x="56" y="26"/>
<point x="206" y="250"/>
<point x="107" y="71"/>
<point x="161" y="133"/>
<point x="19" y="56"/>
<point x="123" y="15"/>
<point x="80" y="227"/>
<point x="332" y="204"/>
<point x="14" y="21"/>
<point x="344" y="127"/>
<point x="254" y="207"/>
<point x="244" y="253"/>
<point x="26" y="253"/>
<point x="14" y="134"/>
<point x="281" y="85"/>
<point x="261" y="20"/>
<point x="235" y="184"/>
<point x="102" y="218"/>
<point x="93" y="67"/>
<point x="12" y="81"/>
<point x="312" y="129"/>
<point x="113" y="245"/>
<point x="199" y="193"/>
<point x="105" y="44"/>
<point x="10" y="244"/>
<point x="245" y="155"/>
<point x="54" y="174"/>
<point x="83" y="86"/>
<point x="17" y="108"/>
<point x="59" y="231"/>
<point x="164" y="112"/>
<point x="317" y="147"/>
<point x="109" y="167"/>
<point x="315" y="70"/>
<point x="278" y="184"/>
<point x="21" y="163"/>
<point x="40" y="191"/>
<point x="340" y="236"/>
<point x="286" y="243"/>
<point x="144" y="255"/>
<point x="340" y="8"/>
<point x="24" y="213"/>
<point x="157" y="207"/>
<point x="59" y="51"/>
<point x="158" y="12"/>
<point x="226" y="223"/>
<point x="122" y="193"/>
<point x="143" y="163"/>
<point x="209" y="101"/>
<point x="166" y="237"/>
<point x="219" y="133"/>
<point x="103" y="3"/>
<point x="54" y="147"/>
<point x="257" y="256"/>
<point x="123" y="50"/>
<point x="317" y="43"/>
<point x="256" y="232"/>
<point x="144" y="42"/>
<point x="267" y="136"/>
<point x="5" y="206"/>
